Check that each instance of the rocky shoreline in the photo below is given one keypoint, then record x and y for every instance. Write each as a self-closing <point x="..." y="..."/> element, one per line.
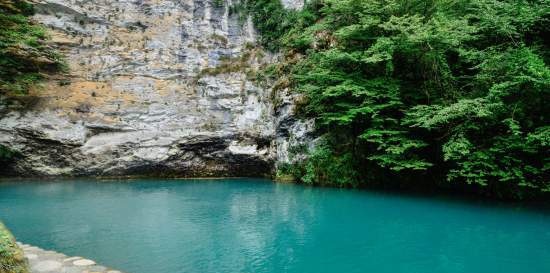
<point x="46" y="261"/>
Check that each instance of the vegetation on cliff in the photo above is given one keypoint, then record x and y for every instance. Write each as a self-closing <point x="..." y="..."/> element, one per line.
<point x="25" y="58"/>
<point x="24" y="55"/>
<point x="11" y="256"/>
<point x="453" y="93"/>
<point x="6" y="154"/>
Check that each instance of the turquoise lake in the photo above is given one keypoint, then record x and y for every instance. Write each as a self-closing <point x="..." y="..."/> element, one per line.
<point x="253" y="225"/>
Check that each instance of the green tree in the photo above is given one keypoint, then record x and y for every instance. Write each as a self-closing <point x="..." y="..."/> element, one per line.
<point x="411" y="90"/>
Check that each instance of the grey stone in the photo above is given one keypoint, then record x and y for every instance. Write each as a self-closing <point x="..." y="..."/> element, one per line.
<point x="159" y="91"/>
<point x="293" y="4"/>
<point x="98" y="268"/>
<point x="31" y="256"/>
<point x="83" y="262"/>
<point x="72" y="269"/>
<point x="71" y="259"/>
<point x="45" y="266"/>
<point x="52" y="262"/>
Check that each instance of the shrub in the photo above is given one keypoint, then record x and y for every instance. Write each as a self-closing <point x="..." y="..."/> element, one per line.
<point x="12" y="259"/>
<point x="451" y="91"/>
<point x="24" y="55"/>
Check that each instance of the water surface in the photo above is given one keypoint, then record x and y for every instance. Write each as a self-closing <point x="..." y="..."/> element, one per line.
<point x="252" y="225"/>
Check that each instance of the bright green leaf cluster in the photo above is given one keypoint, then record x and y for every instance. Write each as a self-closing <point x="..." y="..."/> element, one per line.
<point x="11" y="256"/>
<point x="442" y="90"/>
<point x="24" y="57"/>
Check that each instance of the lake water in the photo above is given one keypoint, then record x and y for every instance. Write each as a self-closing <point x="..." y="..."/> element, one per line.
<point x="253" y="225"/>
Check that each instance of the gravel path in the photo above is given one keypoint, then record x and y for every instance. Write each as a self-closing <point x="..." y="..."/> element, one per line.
<point x="44" y="261"/>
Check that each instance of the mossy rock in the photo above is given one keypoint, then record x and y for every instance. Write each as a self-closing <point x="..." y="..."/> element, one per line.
<point x="12" y="259"/>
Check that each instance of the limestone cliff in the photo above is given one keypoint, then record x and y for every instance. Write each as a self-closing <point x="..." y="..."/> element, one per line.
<point x="154" y="87"/>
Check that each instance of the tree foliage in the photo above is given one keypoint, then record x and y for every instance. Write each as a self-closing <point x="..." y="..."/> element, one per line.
<point x="12" y="259"/>
<point x="442" y="90"/>
<point x="24" y="56"/>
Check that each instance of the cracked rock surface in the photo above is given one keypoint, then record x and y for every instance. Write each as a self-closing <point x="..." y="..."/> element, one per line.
<point x="155" y="87"/>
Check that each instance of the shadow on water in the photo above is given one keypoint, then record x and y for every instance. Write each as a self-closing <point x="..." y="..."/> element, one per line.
<point x="256" y="225"/>
<point x="541" y="205"/>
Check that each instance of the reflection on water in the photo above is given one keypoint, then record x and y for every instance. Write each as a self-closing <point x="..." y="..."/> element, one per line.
<point x="247" y="225"/>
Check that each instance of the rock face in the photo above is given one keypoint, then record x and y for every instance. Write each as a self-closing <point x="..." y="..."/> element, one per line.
<point x="155" y="87"/>
<point x="293" y="4"/>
